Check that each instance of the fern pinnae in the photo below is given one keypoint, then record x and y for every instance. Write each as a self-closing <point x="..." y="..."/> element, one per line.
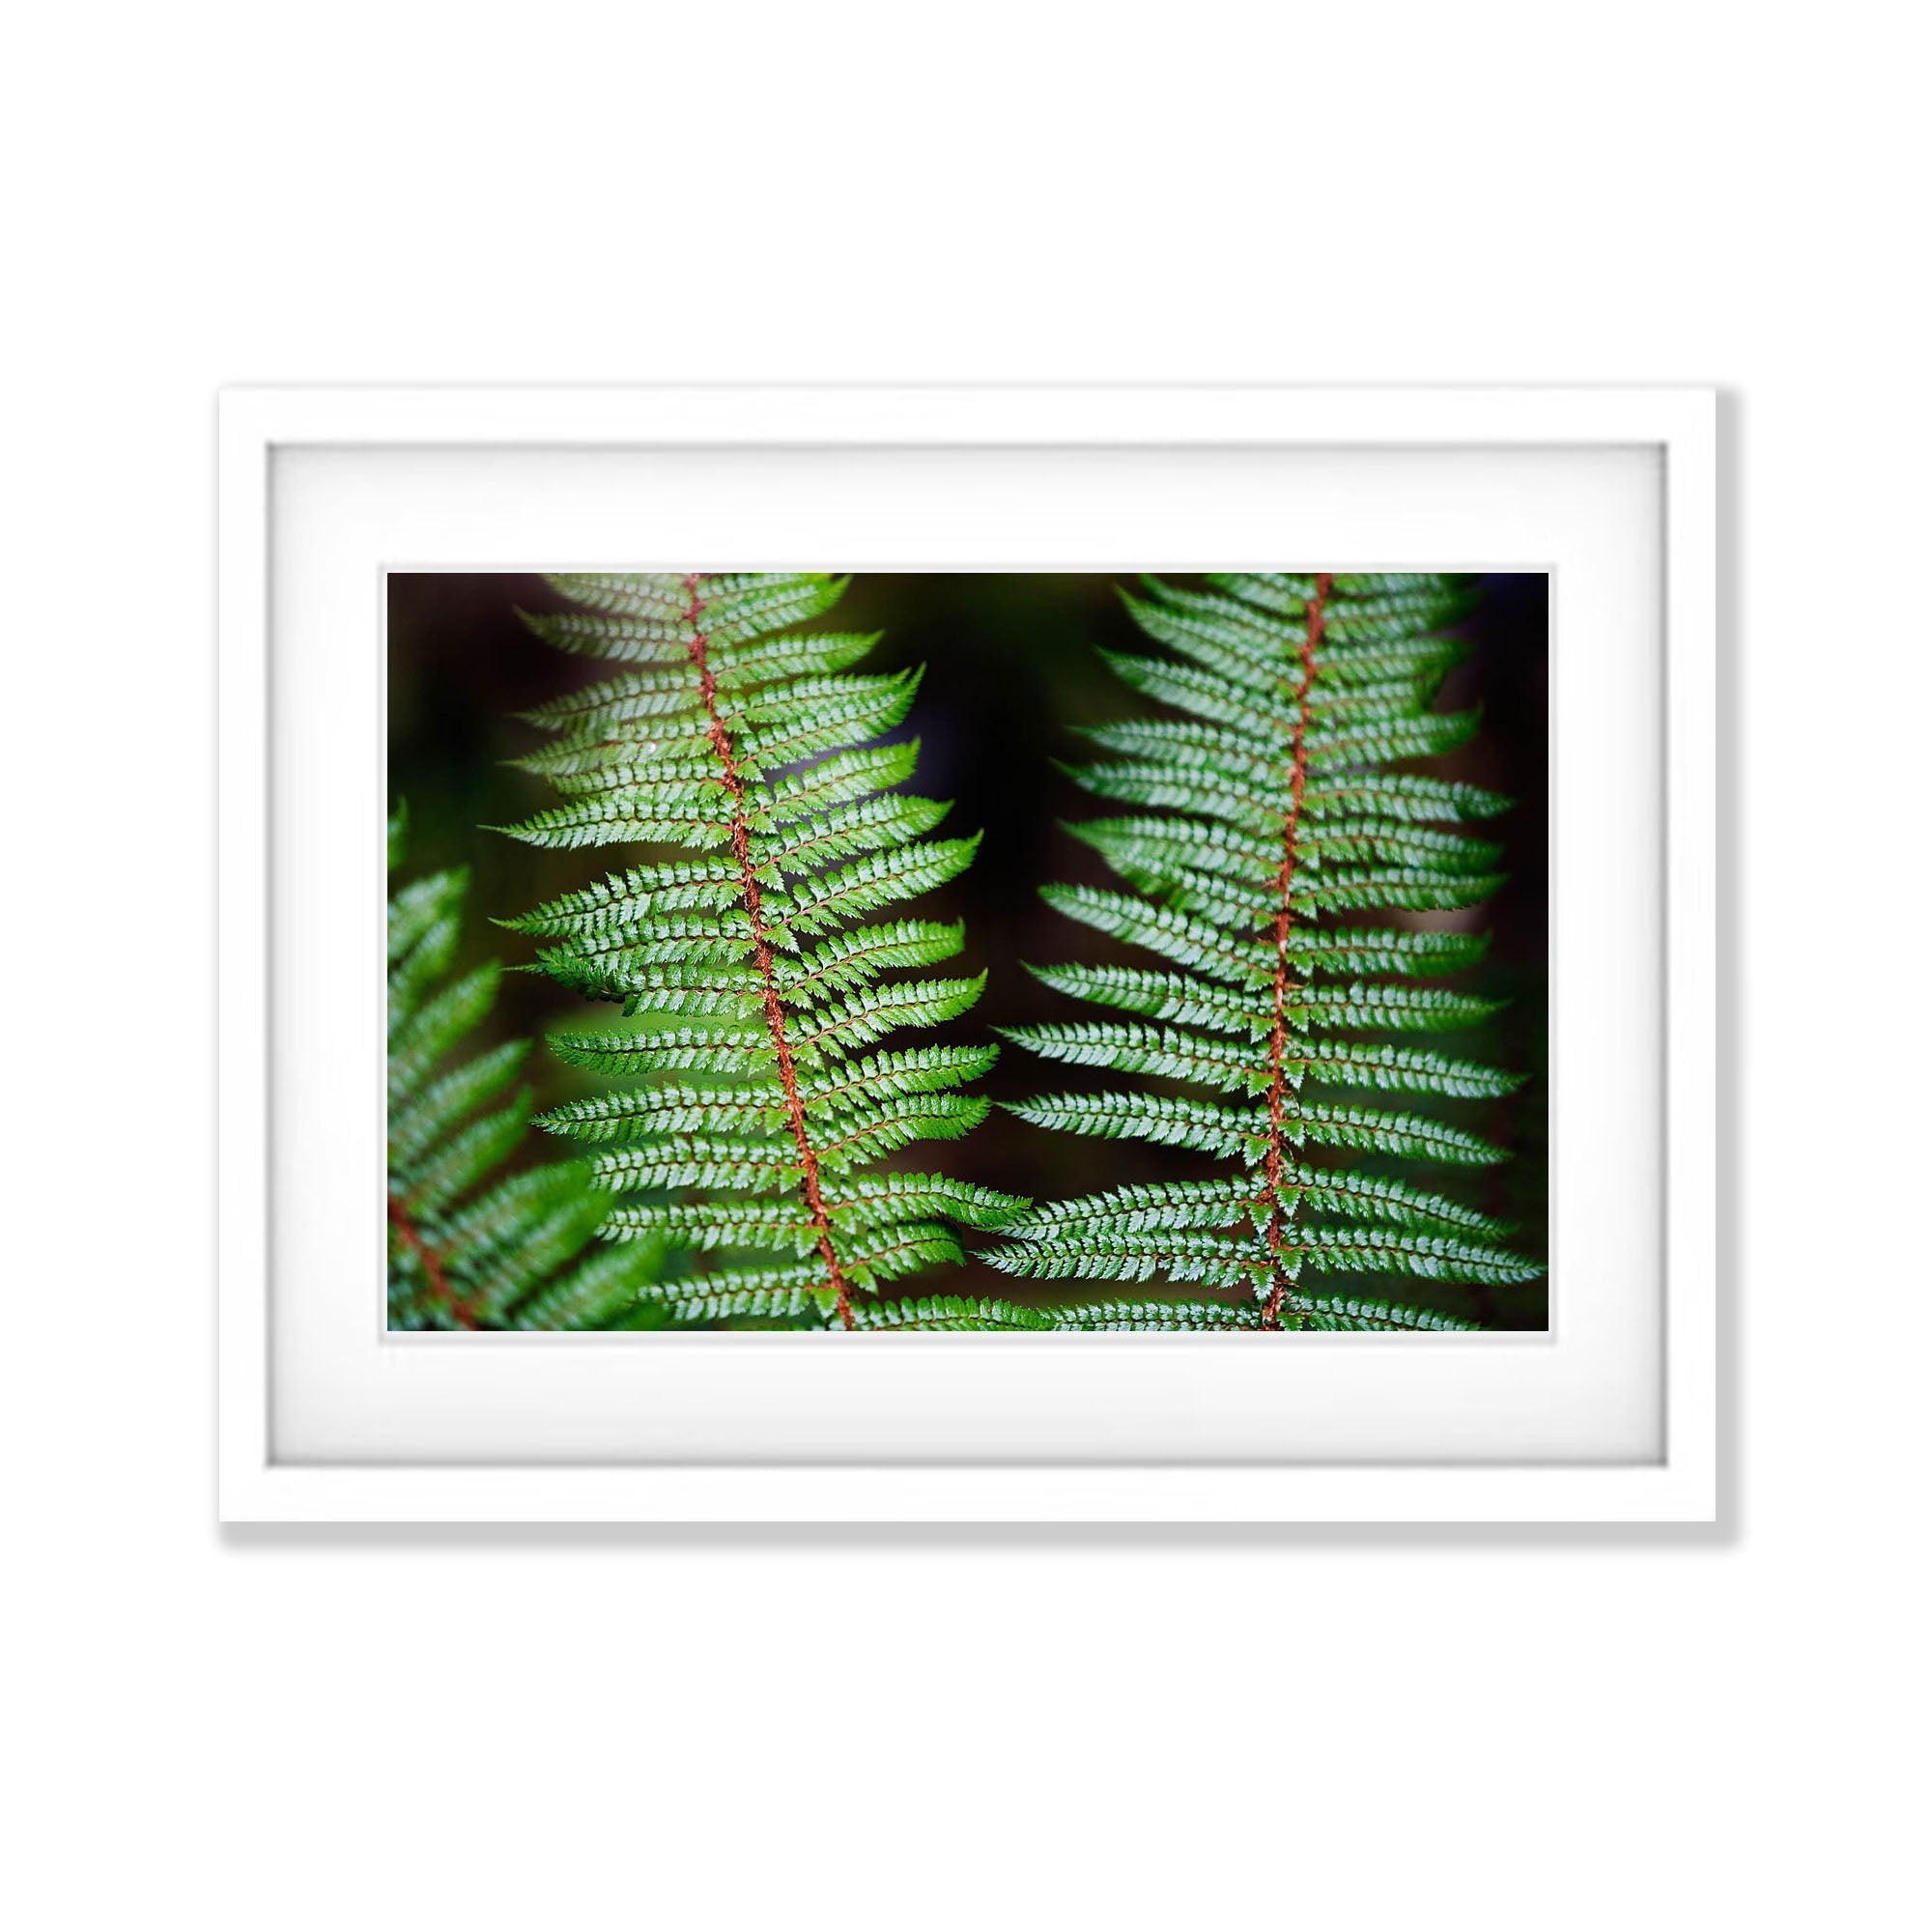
<point x="1264" y="829"/>
<point x="749" y="962"/>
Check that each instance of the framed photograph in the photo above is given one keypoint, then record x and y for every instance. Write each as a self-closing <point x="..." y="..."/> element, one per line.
<point x="968" y="955"/>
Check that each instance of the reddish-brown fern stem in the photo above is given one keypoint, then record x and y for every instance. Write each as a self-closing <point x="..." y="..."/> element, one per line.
<point x="1284" y="918"/>
<point x="761" y="948"/>
<point x="411" y="1236"/>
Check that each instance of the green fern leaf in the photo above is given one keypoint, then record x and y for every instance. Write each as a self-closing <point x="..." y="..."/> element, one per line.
<point x="759" y="985"/>
<point x="1267" y="827"/>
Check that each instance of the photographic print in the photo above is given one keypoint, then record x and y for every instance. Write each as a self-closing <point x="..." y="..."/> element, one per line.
<point x="968" y="951"/>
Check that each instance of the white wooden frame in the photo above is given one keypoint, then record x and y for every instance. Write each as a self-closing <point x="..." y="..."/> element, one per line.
<point x="1679" y="424"/>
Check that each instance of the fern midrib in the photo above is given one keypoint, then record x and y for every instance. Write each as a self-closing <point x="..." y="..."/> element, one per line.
<point x="434" y="1272"/>
<point x="741" y="851"/>
<point x="1281" y="1218"/>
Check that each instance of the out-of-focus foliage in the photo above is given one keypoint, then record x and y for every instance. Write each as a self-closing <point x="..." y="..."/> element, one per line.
<point x="472" y="1244"/>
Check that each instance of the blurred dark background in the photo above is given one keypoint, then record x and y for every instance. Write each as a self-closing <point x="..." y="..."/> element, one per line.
<point x="1011" y="665"/>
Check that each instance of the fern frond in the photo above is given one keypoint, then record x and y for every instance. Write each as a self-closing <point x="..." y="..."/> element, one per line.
<point x="468" y="1246"/>
<point x="1269" y="838"/>
<point x="759" y="985"/>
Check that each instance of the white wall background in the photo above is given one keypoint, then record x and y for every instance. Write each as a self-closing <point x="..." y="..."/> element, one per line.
<point x="587" y="1730"/>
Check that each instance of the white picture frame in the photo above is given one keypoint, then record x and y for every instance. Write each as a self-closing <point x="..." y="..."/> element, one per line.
<point x="292" y="1452"/>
